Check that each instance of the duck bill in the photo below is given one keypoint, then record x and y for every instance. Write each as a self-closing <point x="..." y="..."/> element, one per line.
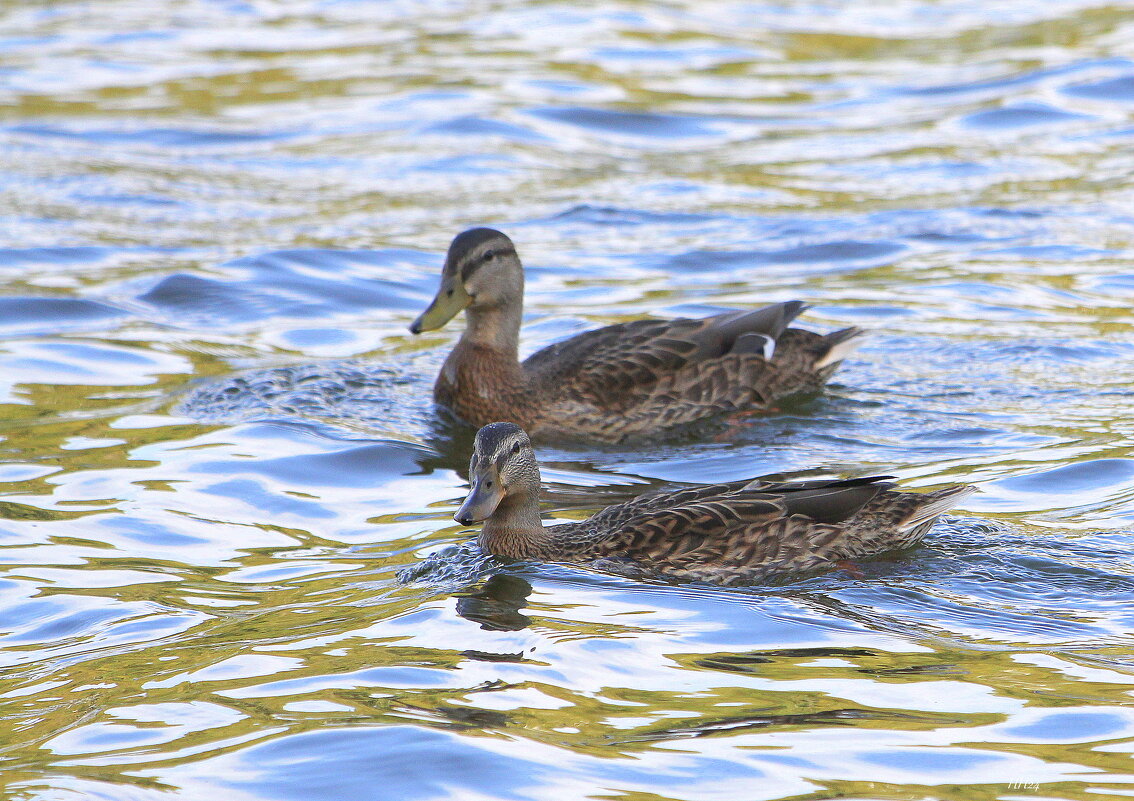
<point x="451" y="299"/>
<point x="480" y="504"/>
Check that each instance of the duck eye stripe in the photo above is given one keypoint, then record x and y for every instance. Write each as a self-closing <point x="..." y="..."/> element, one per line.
<point x="470" y="266"/>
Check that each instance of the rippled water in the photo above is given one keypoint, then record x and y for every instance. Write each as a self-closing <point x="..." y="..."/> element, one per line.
<point x="219" y="450"/>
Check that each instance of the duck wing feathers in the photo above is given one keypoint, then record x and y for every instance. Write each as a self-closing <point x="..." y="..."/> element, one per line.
<point x="618" y="366"/>
<point x="825" y="500"/>
<point x="733" y="532"/>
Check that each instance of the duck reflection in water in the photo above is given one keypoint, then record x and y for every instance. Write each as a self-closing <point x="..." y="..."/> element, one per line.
<point x="496" y="605"/>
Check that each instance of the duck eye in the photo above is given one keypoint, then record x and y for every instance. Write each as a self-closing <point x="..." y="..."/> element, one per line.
<point x="489" y="255"/>
<point x="515" y="447"/>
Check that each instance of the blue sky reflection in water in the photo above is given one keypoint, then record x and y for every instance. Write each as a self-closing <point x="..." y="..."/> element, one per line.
<point x="219" y="451"/>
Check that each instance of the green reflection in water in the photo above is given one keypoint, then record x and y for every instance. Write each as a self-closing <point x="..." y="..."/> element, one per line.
<point x="167" y="600"/>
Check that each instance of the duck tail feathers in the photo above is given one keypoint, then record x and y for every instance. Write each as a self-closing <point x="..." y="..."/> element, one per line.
<point x="937" y="504"/>
<point x="840" y="344"/>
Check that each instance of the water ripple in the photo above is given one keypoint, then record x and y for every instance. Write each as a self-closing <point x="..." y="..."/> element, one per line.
<point x="229" y="562"/>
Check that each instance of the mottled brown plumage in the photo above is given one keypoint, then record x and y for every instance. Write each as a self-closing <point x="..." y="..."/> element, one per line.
<point x="619" y="381"/>
<point x="731" y="533"/>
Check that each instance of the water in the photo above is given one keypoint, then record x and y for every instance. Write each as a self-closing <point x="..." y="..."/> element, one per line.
<point x="219" y="451"/>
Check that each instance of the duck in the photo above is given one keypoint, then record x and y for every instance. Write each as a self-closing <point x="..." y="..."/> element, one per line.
<point x="731" y="533"/>
<point x="623" y="381"/>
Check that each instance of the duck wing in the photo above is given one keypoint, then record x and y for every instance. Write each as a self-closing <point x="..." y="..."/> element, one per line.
<point x="825" y="500"/>
<point x="617" y="366"/>
<point x="613" y="517"/>
<point x="728" y="533"/>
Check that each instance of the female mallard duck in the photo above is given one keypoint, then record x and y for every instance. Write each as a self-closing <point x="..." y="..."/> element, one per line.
<point x="618" y="381"/>
<point x="721" y="533"/>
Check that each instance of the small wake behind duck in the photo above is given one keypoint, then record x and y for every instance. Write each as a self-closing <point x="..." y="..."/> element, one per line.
<point x="387" y="396"/>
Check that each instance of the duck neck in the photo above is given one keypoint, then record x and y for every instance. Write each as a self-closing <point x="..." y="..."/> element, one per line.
<point x="495" y="327"/>
<point x="515" y="529"/>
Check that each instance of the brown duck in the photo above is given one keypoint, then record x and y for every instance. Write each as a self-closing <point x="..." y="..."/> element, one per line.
<point x="619" y="381"/>
<point x="721" y="533"/>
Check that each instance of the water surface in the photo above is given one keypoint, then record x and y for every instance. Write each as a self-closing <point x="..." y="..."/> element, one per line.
<point x="219" y="449"/>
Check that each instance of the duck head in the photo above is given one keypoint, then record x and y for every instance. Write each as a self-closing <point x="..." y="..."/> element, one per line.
<point x="504" y="478"/>
<point x="482" y="271"/>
